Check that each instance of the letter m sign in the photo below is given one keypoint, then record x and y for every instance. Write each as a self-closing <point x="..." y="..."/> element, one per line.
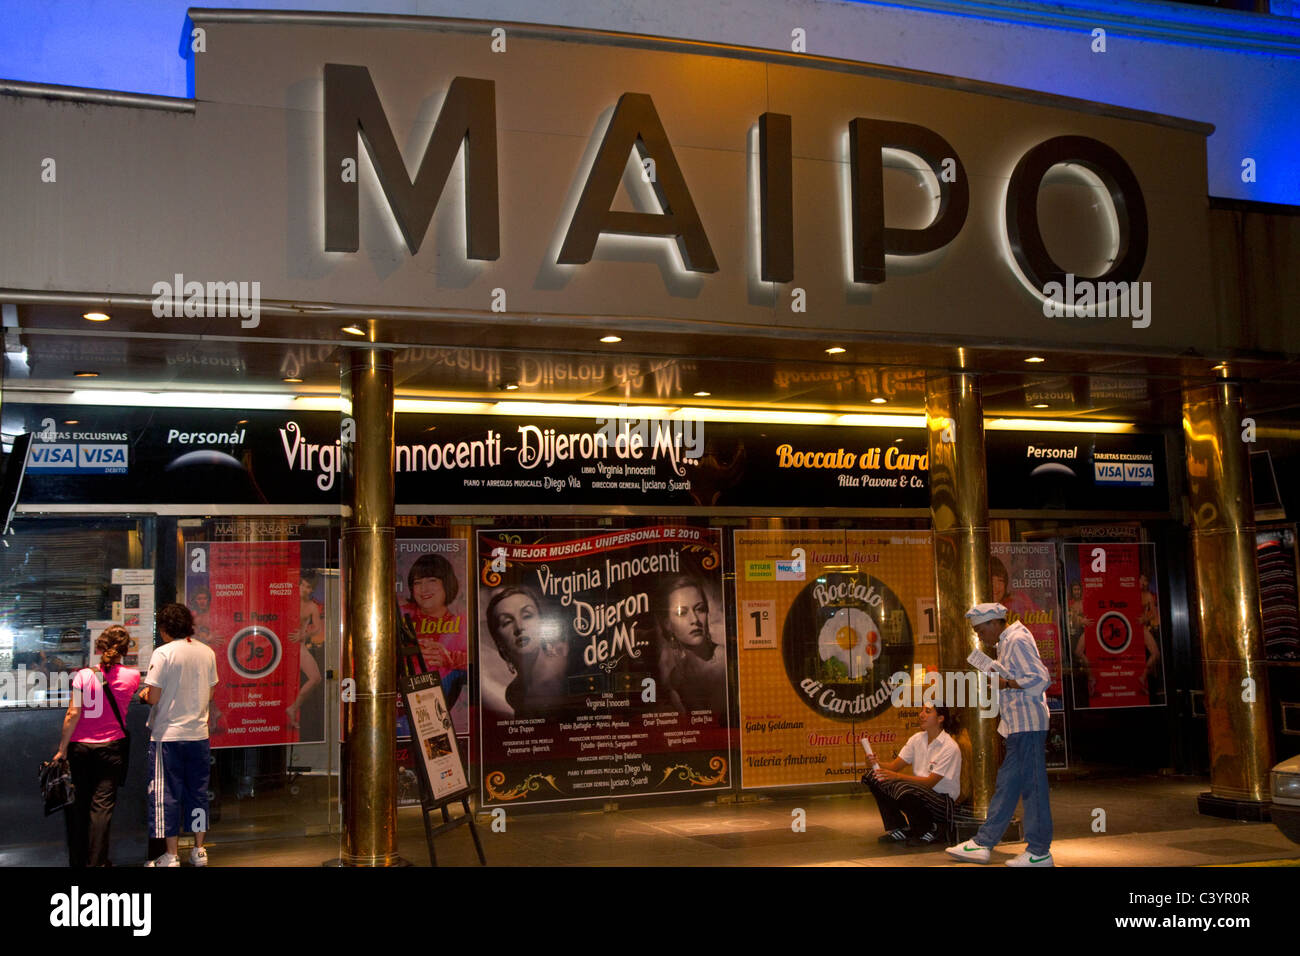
<point x="468" y="115"/>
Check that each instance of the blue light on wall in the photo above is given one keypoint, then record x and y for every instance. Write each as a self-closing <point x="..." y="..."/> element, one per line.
<point x="1238" y="71"/>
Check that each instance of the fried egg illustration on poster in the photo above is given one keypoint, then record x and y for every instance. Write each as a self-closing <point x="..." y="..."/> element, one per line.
<point x="845" y="636"/>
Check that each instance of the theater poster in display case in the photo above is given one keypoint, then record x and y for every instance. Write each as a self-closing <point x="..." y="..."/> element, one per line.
<point x="1113" y="612"/>
<point x="1024" y="579"/>
<point x="602" y="663"/>
<point x="257" y="604"/>
<point x="826" y="621"/>
<point x="431" y="594"/>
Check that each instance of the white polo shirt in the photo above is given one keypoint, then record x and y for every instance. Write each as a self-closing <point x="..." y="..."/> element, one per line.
<point x="942" y="756"/>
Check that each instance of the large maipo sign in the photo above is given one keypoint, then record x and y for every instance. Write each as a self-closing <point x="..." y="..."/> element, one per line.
<point x="354" y="113"/>
<point x="422" y="166"/>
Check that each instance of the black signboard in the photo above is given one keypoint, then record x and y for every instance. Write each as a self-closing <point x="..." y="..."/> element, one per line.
<point x="1070" y="471"/>
<point x="142" y="456"/>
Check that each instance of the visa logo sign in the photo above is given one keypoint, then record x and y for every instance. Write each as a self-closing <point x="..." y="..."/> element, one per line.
<point x="1139" y="473"/>
<point x="78" y="459"/>
<point x="101" y="458"/>
<point x="52" y="459"/>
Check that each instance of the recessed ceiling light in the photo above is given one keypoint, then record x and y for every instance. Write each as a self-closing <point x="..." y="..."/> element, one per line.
<point x="86" y="374"/>
<point x="96" y="316"/>
<point x="242" y="421"/>
<point x="354" y="330"/>
<point x="878" y="400"/>
<point x="611" y="339"/>
<point x="510" y="386"/>
<point x="292" y="381"/>
<point x="73" y="421"/>
<point x="1042" y="405"/>
<point x="703" y="394"/>
<point x="1035" y="358"/>
<point x="834" y="350"/>
<point x="897" y="440"/>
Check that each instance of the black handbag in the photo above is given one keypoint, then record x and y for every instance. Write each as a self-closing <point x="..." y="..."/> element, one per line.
<point x="126" y="734"/>
<point x="56" y="785"/>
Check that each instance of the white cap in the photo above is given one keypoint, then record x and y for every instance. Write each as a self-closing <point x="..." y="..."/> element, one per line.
<point x="982" y="613"/>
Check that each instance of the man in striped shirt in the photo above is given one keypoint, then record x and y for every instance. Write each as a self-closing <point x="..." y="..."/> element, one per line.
<point x="1022" y="706"/>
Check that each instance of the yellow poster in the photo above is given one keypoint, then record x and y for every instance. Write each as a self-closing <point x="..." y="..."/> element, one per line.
<point x="826" y="621"/>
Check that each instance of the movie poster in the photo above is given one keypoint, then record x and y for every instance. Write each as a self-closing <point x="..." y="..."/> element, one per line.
<point x="826" y="619"/>
<point x="431" y="593"/>
<point x="602" y="663"/>
<point x="258" y="606"/>
<point x="1113" y="612"/>
<point x="1024" y="581"/>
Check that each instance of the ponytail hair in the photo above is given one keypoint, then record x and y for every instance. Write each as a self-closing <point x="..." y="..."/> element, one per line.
<point x="111" y="645"/>
<point x="951" y="720"/>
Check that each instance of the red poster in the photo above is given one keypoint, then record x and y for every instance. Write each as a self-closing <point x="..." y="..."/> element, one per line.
<point x="248" y="608"/>
<point x="1112" y="644"/>
<point x="1023" y="575"/>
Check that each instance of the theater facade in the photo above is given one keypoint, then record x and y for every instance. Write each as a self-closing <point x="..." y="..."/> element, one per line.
<point x="671" y="401"/>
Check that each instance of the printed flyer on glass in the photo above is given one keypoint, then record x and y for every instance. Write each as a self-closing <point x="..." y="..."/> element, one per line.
<point x="258" y="605"/>
<point x="1023" y="575"/>
<point x="826" y="619"/>
<point x="603" y="663"/>
<point x="431" y="595"/>
<point x="1114" y="617"/>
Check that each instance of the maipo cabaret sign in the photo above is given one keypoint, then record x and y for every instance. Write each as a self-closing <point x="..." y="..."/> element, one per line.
<point x="354" y="112"/>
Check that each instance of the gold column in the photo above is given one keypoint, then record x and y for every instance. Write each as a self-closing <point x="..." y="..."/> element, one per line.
<point x="959" y="512"/>
<point x="1227" y="585"/>
<point x="369" y="630"/>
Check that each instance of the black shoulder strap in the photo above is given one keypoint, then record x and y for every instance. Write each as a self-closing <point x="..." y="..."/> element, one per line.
<point x="112" y="701"/>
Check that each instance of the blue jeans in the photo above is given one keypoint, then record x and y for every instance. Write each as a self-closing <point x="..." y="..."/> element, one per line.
<point x="1023" y="773"/>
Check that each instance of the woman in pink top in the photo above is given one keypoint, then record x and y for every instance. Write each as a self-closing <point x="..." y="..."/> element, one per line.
<point x="96" y="747"/>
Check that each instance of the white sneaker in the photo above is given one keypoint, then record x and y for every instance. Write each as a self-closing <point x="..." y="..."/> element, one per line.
<point x="1028" y="859"/>
<point x="167" y="859"/>
<point x="969" y="852"/>
<point x="198" y="856"/>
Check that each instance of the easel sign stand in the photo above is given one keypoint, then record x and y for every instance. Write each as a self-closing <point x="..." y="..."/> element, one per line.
<point x="442" y="775"/>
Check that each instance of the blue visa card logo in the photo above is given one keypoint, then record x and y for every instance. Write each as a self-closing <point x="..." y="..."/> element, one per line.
<point x="74" y="458"/>
<point x="1124" y="473"/>
<point x="52" y="459"/>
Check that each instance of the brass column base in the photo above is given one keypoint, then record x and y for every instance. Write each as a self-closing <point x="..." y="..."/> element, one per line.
<point x="341" y="861"/>
<point x="1252" y="811"/>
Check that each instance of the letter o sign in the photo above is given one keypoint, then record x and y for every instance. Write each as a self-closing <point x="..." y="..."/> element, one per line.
<point x="1125" y="195"/>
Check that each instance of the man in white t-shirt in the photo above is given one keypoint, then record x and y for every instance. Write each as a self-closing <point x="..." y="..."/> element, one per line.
<point x="179" y="686"/>
<point x="914" y="806"/>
